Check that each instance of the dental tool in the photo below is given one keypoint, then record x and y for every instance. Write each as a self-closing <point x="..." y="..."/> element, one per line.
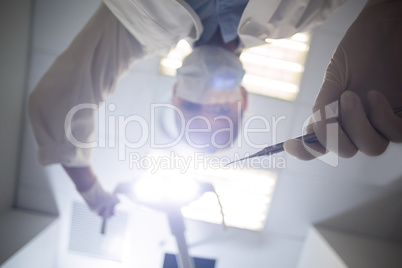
<point x="277" y="148"/>
<point x="308" y="138"/>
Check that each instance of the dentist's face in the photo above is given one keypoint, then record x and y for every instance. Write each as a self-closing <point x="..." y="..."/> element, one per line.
<point x="209" y="95"/>
<point x="210" y="127"/>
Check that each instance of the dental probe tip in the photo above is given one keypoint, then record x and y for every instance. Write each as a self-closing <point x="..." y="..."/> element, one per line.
<point x="236" y="161"/>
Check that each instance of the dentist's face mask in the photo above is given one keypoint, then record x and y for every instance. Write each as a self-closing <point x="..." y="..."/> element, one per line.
<point x="210" y="75"/>
<point x="210" y="97"/>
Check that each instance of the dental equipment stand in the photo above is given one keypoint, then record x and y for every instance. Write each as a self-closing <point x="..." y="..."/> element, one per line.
<point x="175" y="218"/>
<point x="177" y="228"/>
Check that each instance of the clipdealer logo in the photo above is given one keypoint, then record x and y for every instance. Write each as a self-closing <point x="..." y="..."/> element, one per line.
<point x="115" y="126"/>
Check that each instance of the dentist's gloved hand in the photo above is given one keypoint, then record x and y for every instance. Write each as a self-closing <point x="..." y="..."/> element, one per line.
<point x="362" y="86"/>
<point x="100" y="201"/>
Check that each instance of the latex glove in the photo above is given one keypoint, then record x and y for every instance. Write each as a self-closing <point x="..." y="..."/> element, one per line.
<point x="100" y="201"/>
<point x="365" y="78"/>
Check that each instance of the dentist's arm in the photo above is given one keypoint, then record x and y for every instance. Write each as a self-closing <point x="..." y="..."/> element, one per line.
<point x="87" y="185"/>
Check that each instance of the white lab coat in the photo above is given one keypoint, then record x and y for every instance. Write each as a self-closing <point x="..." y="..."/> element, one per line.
<point x="158" y="25"/>
<point x="91" y="66"/>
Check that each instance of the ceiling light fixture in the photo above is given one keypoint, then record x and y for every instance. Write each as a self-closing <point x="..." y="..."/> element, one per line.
<point x="272" y="70"/>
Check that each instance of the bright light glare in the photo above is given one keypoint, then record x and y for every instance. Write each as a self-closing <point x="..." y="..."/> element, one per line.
<point x="245" y="223"/>
<point x="205" y="209"/>
<point x="245" y="194"/>
<point x="288" y="43"/>
<point x="270" y="83"/>
<point x="184" y="45"/>
<point x="275" y="69"/>
<point x="301" y="37"/>
<point x="171" y="63"/>
<point x="271" y="62"/>
<point x="165" y="190"/>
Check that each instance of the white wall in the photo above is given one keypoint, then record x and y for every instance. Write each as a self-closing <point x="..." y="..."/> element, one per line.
<point x="28" y="239"/>
<point x="334" y="248"/>
<point x="363" y="251"/>
<point x="317" y="253"/>
<point x="379" y="218"/>
<point x="14" y="50"/>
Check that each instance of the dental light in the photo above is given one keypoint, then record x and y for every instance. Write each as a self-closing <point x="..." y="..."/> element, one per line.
<point x="168" y="195"/>
<point x="167" y="191"/>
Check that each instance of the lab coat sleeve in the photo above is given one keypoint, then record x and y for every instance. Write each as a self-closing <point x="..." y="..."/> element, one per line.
<point x="62" y="106"/>
<point x="278" y="19"/>
<point x="316" y="12"/>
